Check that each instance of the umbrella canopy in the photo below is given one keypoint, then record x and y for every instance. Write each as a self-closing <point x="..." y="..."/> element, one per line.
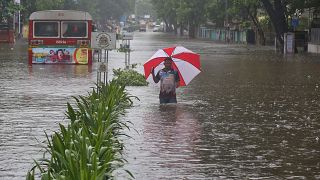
<point x="186" y="62"/>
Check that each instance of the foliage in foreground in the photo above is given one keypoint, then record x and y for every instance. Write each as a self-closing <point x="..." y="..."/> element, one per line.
<point x="129" y="77"/>
<point x="89" y="147"/>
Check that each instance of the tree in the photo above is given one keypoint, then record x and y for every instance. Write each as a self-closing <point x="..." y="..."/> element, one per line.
<point x="216" y="12"/>
<point x="85" y="5"/>
<point x="194" y="18"/>
<point x="29" y="6"/>
<point x="8" y="8"/>
<point x="167" y="10"/>
<point x="107" y="9"/>
<point x="279" y="12"/>
<point x="99" y="9"/>
<point x="182" y="13"/>
<point x="248" y="10"/>
<point x="144" y="7"/>
<point x="189" y="13"/>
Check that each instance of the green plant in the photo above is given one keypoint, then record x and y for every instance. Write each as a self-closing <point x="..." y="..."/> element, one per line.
<point x="129" y="77"/>
<point x="124" y="49"/>
<point x="89" y="148"/>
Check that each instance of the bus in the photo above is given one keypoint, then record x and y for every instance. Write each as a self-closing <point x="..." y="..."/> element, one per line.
<point x="60" y="36"/>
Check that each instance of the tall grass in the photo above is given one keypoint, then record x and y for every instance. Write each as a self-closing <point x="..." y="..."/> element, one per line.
<point x="89" y="147"/>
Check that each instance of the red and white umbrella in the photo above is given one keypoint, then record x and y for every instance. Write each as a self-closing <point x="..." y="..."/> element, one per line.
<point x="186" y="62"/>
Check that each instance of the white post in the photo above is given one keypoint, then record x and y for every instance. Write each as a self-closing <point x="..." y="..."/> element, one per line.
<point x="19" y="28"/>
<point x="129" y="52"/>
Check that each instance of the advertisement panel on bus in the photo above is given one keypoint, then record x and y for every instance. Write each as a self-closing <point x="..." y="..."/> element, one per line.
<point x="60" y="55"/>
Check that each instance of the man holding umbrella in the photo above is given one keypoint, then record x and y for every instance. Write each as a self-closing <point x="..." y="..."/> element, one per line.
<point x="180" y="64"/>
<point x="169" y="81"/>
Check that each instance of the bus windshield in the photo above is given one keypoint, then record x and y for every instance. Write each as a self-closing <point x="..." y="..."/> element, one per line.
<point x="74" y="29"/>
<point x="46" y="29"/>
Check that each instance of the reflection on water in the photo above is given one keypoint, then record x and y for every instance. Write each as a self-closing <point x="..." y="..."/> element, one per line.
<point x="65" y="69"/>
<point x="166" y="145"/>
<point x="32" y="100"/>
<point x="250" y="114"/>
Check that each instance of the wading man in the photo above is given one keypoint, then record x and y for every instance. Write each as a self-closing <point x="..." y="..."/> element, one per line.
<point x="169" y="81"/>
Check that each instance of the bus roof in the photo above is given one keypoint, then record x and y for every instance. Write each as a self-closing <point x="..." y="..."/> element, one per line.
<point x="60" y="15"/>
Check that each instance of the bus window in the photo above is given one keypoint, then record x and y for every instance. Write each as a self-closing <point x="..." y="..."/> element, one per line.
<point x="74" y="29"/>
<point x="46" y="29"/>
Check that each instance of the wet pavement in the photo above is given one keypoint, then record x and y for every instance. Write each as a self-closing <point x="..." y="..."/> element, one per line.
<point x="251" y="114"/>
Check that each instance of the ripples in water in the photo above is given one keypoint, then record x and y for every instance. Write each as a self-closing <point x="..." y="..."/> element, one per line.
<point x="250" y="114"/>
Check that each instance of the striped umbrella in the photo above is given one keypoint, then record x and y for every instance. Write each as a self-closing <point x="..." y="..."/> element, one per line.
<point x="186" y="62"/>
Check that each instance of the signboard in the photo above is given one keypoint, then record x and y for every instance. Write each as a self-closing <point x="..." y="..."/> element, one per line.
<point x="103" y="40"/>
<point x="123" y="18"/>
<point x="295" y="22"/>
<point x="127" y="36"/>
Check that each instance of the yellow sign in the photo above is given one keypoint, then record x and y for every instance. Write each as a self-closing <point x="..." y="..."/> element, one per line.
<point x="81" y="55"/>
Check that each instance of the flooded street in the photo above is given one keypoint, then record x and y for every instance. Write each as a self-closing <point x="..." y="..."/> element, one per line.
<point x="250" y="114"/>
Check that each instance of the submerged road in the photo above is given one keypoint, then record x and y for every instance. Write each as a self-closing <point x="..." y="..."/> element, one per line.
<point x="250" y="114"/>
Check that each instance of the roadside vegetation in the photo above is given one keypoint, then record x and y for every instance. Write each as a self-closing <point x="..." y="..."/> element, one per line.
<point x="241" y="14"/>
<point x="89" y="147"/>
<point x="129" y="77"/>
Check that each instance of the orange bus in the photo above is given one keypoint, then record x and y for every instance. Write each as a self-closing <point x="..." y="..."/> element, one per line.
<point x="60" y="36"/>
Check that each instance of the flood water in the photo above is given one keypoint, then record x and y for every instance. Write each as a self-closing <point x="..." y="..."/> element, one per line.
<point x="250" y="114"/>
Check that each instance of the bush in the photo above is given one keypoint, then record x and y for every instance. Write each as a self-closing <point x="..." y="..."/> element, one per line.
<point x="129" y="77"/>
<point x="89" y="147"/>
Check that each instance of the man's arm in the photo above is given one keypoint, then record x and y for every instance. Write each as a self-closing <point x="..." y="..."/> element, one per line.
<point x="155" y="78"/>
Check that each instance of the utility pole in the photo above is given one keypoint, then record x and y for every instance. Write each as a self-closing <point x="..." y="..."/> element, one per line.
<point x="19" y="20"/>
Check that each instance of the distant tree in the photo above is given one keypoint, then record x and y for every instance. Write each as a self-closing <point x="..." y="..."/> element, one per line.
<point x="69" y="4"/>
<point x="144" y="7"/>
<point x="85" y="5"/>
<point x="8" y="8"/>
<point x="99" y="9"/>
<point x="182" y="16"/>
<point x="216" y="12"/>
<point x="107" y="9"/>
<point x="247" y="10"/>
<point x="190" y="14"/>
<point x="167" y="11"/>
<point x="181" y="13"/>
<point x="278" y="15"/>
<point x="46" y="5"/>
<point x="29" y="6"/>
<point x="279" y="12"/>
